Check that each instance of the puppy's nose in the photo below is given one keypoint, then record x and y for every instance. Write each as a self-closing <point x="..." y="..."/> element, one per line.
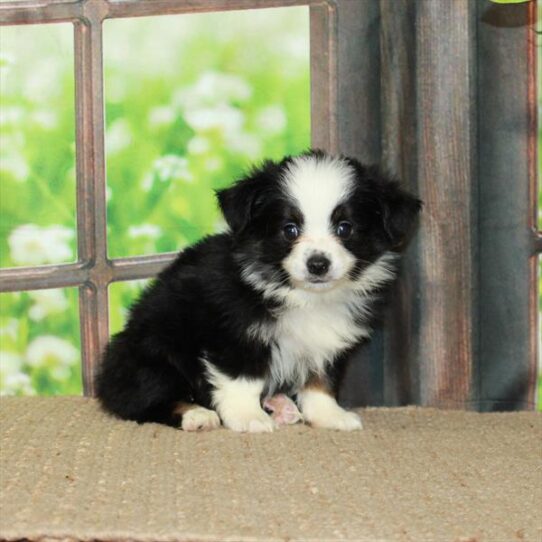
<point x="318" y="265"/>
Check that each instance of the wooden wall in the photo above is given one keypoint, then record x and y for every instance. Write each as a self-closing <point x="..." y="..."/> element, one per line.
<point x="442" y="94"/>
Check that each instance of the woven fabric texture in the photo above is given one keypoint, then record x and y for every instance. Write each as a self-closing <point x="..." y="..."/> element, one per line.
<point x="71" y="472"/>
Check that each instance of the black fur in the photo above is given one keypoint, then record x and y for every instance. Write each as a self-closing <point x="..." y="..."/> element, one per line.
<point x="200" y="304"/>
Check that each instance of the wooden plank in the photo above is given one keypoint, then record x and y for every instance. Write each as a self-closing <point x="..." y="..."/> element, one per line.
<point x="359" y="79"/>
<point x="507" y="175"/>
<point x="446" y="167"/>
<point x="323" y="53"/>
<point x="91" y="199"/>
<point x="54" y="11"/>
<point x="358" y="113"/>
<point x="399" y="157"/>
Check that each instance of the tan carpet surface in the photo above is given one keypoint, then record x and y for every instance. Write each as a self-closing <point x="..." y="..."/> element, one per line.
<point x="69" y="471"/>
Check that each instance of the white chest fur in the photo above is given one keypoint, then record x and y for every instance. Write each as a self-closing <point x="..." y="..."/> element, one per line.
<point x="313" y="328"/>
<point x="307" y="338"/>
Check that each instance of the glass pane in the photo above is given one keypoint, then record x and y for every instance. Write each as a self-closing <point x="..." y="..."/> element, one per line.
<point x="39" y="343"/>
<point x="191" y="102"/>
<point x="37" y="145"/>
<point x="121" y="297"/>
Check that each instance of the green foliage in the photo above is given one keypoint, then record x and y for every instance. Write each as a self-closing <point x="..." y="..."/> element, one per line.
<point x="191" y="102"/>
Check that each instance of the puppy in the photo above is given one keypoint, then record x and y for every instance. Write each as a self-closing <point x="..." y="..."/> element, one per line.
<point x="275" y="305"/>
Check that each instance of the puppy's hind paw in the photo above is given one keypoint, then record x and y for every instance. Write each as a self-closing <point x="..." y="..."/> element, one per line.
<point x="283" y="410"/>
<point x="200" y="419"/>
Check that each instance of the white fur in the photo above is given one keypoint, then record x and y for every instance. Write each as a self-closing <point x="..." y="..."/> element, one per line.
<point x="237" y="401"/>
<point x="317" y="186"/>
<point x="313" y="326"/>
<point x="321" y="410"/>
<point x="200" y="419"/>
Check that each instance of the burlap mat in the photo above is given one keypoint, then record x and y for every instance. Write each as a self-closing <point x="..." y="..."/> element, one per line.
<point x="70" y="472"/>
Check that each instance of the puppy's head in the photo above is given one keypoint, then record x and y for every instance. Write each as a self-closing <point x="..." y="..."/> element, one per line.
<point x="316" y="221"/>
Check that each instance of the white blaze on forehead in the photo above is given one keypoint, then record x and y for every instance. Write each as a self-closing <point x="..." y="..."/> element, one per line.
<point x="318" y="185"/>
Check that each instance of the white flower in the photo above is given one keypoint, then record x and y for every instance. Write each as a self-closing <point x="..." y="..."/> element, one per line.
<point x="41" y="84"/>
<point x="51" y="352"/>
<point x="166" y="169"/>
<point x="30" y="244"/>
<point x="245" y="144"/>
<point x="10" y="115"/>
<point x="223" y="117"/>
<point x="145" y="230"/>
<point x="15" y="164"/>
<point x="118" y="136"/>
<point x="16" y="384"/>
<point x="272" y="119"/>
<point x="10" y="330"/>
<point x="161" y="116"/>
<point x="47" y="302"/>
<point x="198" y="145"/>
<point x="137" y="285"/>
<point x="45" y="119"/>
<point x="10" y="363"/>
<point x="12" y="380"/>
<point x="213" y="88"/>
<point x="213" y="164"/>
<point x="6" y="60"/>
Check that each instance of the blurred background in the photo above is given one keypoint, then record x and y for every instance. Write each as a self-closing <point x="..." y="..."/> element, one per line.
<point x="191" y="102"/>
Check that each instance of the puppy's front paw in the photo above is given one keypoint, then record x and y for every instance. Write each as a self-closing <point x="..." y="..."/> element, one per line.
<point x="340" y="419"/>
<point x="249" y="421"/>
<point x="200" y="419"/>
<point x="321" y="410"/>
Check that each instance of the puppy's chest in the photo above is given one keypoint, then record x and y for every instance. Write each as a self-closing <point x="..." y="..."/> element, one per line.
<point x="315" y="331"/>
<point x="306" y="339"/>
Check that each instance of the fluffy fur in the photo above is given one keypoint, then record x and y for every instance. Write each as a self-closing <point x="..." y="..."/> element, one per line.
<point x="275" y="304"/>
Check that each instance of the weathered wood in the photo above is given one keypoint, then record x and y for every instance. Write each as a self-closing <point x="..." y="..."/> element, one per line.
<point x="359" y="135"/>
<point x="323" y="53"/>
<point x="506" y="368"/>
<point x="91" y="199"/>
<point x="445" y="72"/>
<point x="399" y="157"/>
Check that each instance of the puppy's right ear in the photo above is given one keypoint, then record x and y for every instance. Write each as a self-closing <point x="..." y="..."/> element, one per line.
<point x="240" y="202"/>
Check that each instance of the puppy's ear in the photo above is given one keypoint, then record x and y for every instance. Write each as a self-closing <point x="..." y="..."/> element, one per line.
<point x="240" y="202"/>
<point x="398" y="211"/>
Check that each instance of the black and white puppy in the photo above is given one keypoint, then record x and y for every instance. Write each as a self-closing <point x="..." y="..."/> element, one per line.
<point x="276" y="304"/>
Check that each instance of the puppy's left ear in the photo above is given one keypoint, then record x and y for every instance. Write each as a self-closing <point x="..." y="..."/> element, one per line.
<point x="240" y="202"/>
<point x="398" y="211"/>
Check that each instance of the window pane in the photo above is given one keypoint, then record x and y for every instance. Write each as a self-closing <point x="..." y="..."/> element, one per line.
<point x="37" y="146"/>
<point x="191" y="102"/>
<point x="121" y="297"/>
<point x="39" y="343"/>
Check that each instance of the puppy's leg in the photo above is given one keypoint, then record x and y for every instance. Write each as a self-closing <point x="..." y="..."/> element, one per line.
<point x="237" y="401"/>
<point x="193" y="417"/>
<point x="320" y="408"/>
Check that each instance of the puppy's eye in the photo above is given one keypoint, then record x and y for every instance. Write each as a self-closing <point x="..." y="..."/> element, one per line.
<point x="291" y="231"/>
<point x="344" y="230"/>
